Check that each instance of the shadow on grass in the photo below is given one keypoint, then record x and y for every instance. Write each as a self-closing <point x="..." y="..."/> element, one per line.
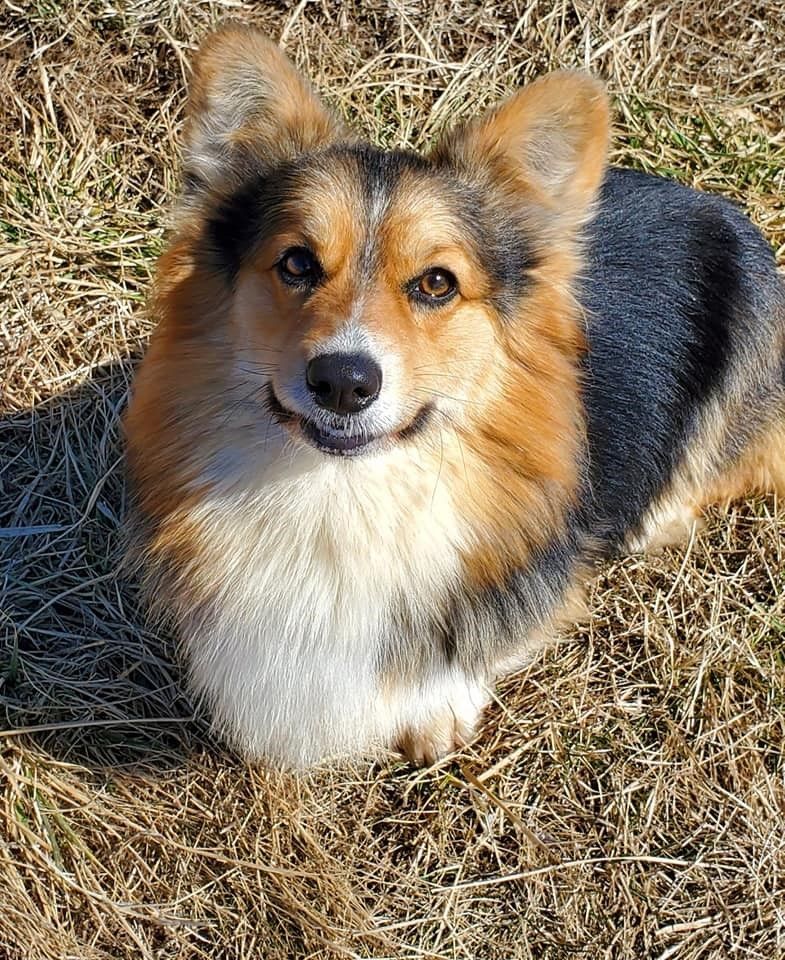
<point x="80" y="671"/>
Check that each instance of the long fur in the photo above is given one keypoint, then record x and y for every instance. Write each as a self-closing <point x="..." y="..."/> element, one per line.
<point x="613" y="361"/>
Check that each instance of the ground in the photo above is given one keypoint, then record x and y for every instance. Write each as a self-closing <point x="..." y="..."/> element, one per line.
<point x="627" y="795"/>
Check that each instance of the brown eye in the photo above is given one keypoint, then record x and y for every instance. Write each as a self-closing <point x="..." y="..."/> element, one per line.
<point x="436" y="285"/>
<point x="298" y="267"/>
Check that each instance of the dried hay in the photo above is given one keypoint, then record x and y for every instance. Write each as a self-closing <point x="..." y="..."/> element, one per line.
<point x="626" y="798"/>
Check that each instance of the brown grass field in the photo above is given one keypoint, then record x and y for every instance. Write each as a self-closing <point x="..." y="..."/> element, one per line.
<point x="627" y="795"/>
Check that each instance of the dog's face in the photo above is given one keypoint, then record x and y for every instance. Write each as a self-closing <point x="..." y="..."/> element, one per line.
<point x="374" y="296"/>
<point x="370" y="297"/>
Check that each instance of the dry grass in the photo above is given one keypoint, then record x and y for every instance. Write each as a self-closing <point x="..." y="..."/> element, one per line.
<point x="627" y="797"/>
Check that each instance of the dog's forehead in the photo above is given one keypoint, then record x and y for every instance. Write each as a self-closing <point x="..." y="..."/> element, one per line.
<point x="353" y="195"/>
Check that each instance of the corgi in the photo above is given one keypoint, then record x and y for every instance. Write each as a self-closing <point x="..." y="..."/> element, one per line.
<point x="397" y="407"/>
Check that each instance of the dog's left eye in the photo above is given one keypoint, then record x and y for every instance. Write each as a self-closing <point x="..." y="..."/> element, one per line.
<point x="299" y="267"/>
<point x="435" y="285"/>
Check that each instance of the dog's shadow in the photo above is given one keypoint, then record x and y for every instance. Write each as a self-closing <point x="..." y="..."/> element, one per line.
<point x="80" y="670"/>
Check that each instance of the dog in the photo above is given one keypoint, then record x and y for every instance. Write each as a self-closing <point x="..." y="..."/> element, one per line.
<point x="397" y="407"/>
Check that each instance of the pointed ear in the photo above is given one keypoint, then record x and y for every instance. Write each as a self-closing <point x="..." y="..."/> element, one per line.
<point x="549" y="140"/>
<point x="249" y="110"/>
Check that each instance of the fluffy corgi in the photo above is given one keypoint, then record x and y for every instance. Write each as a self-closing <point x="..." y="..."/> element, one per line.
<point x="397" y="406"/>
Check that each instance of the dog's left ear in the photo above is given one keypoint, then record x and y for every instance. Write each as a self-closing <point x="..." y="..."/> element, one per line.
<point x="249" y="110"/>
<point x="548" y="141"/>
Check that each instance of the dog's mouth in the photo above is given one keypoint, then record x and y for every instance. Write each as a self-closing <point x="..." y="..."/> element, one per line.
<point x="339" y="441"/>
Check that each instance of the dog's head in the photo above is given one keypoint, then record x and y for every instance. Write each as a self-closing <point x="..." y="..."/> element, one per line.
<point x="368" y="293"/>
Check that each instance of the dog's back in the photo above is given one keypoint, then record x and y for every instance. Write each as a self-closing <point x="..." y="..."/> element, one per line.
<point x="685" y="367"/>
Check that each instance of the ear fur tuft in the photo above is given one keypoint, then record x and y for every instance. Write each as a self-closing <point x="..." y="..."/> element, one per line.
<point x="249" y="109"/>
<point x="549" y="139"/>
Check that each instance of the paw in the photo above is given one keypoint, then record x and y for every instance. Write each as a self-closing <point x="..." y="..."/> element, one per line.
<point x="669" y="530"/>
<point x="446" y="727"/>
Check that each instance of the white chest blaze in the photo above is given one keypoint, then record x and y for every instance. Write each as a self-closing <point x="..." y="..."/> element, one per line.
<point x="311" y="557"/>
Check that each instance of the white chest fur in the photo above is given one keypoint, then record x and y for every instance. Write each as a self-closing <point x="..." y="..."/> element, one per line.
<point x="306" y="563"/>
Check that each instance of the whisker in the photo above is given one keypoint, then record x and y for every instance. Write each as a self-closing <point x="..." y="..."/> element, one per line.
<point x="437" y="365"/>
<point x="431" y="376"/>
<point x="269" y="349"/>
<point x="446" y="417"/>
<point x="439" y="471"/>
<point x="257" y="367"/>
<point x="239" y="402"/>
<point x="447" y="396"/>
<point x="422" y="395"/>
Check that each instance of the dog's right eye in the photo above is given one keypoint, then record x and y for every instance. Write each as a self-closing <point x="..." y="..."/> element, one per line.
<point x="299" y="267"/>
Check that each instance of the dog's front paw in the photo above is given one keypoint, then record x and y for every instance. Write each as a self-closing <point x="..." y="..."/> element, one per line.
<point x="425" y="745"/>
<point x="439" y="727"/>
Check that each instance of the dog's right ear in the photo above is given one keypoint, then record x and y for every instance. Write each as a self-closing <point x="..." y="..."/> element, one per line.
<point x="249" y="110"/>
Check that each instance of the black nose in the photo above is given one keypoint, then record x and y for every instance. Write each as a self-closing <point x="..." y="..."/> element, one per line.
<point x="344" y="382"/>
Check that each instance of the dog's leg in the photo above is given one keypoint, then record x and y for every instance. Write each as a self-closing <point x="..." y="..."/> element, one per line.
<point x="667" y="526"/>
<point x="438" y="717"/>
<point x="760" y="470"/>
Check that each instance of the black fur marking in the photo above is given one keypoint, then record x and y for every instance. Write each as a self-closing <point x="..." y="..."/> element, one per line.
<point x="481" y="625"/>
<point x="239" y="222"/>
<point x="498" y="235"/>
<point x="378" y="173"/>
<point x="713" y="257"/>
<point x="500" y="230"/>
<point x="665" y="299"/>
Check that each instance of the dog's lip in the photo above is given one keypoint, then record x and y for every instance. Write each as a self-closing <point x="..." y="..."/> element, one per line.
<point x="338" y="442"/>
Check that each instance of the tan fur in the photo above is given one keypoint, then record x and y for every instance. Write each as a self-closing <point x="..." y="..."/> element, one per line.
<point x="531" y="442"/>
<point x="706" y="478"/>
<point x="761" y="469"/>
<point x="554" y="156"/>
